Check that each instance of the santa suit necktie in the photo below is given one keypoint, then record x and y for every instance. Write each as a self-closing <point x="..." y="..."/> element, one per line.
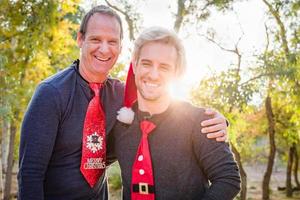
<point x="142" y="184"/>
<point x="93" y="139"/>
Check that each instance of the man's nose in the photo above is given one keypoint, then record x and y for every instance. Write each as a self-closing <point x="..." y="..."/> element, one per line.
<point x="154" y="73"/>
<point x="104" y="47"/>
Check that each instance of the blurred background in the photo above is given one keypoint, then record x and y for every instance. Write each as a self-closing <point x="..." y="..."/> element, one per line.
<point x="243" y="60"/>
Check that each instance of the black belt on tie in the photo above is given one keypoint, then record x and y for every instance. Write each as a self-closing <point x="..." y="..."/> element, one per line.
<point x="143" y="188"/>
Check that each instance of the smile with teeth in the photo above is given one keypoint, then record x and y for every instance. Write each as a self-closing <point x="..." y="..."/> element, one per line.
<point x="151" y="85"/>
<point x="102" y="59"/>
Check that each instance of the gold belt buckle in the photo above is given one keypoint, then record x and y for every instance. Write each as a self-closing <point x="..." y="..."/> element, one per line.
<point x="143" y="188"/>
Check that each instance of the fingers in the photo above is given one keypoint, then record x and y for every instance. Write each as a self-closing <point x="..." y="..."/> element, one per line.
<point x="214" y="128"/>
<point x="222" y="139"/>
<point x="213" y="121"/>
<point x="221" y="136"/>
<point x="217" y="134"/>
<point x="210" y="111"/>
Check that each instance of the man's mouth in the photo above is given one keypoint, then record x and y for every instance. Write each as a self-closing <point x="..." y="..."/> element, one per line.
<point x="151" y="85"/>
<point x="103" y="59"/>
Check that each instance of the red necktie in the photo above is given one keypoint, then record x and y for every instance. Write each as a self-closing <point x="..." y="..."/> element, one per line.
<point x="142" y="187"/>
<point x="93" y="139"/>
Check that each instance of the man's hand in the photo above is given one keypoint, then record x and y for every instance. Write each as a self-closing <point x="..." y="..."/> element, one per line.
<point x="215" y="127"/>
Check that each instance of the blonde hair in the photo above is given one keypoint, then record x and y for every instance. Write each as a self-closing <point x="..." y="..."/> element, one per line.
<point x="165" y="36"/>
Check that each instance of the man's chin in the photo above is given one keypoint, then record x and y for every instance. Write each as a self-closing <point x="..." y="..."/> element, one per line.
<point x="151" y="98"/>
<point x="102" y="69"/>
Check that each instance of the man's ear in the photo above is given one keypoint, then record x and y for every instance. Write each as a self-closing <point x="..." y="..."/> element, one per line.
<point x="121" y="46"/>
<point x="79" y="39"/>
<point x="134" y="63"/>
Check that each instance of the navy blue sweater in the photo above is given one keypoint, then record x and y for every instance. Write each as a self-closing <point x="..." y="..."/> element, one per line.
<point x="51" y="137"/>
<point x="184" y="160"/>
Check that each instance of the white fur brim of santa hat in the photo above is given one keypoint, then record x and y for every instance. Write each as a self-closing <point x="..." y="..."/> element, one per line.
<point x="126" y="114"/>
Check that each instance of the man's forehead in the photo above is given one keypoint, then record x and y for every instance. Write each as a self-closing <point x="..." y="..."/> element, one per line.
<point x="158" y="43"/>
<point x="157" y="48"/>
<point x="102" y="20"/>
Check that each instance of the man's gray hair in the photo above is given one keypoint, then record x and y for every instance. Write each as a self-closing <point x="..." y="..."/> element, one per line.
<point x="101" y="10"/>
<point x="161" y="35"/>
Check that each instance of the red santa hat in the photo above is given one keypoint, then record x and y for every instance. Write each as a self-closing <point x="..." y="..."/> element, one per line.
<point x="130" y="94"/>
<point x="125" y="114"/>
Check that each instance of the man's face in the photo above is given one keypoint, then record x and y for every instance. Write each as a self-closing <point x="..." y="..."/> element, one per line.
<point x="155" y="70"/>
<point x="100" y="47"/>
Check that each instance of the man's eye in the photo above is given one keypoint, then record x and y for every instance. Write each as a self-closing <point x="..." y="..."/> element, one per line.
<point x="112" y="42"/>
<point x="146" y="64"/>
<point x="165" y="68"/>
<point x="95" y="40"/>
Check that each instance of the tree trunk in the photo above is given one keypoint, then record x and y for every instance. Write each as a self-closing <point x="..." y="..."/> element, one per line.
<point x="4" y="142"/>
<point x="243" y="174"/>
<point x="8" y="177"/>
<point x="4" y="152"/>
<point x="1" y="180"/>
<point x="296" y="165"/>
<point x="179" y="15"/>
<point x="271" y="131"/>
<point x="289" y="187"/>
<point x="282" y="30"/>
<point x="130" y="22"/>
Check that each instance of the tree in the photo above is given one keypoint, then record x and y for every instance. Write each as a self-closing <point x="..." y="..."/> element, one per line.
<point x="129" y="11"/>
<point x="34" y="41"/>
<point x="285" y="73"/>
<point x="230" y="96"/>
<point x="193" y="11"/>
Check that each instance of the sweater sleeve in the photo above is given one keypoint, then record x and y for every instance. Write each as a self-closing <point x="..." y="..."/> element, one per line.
<point x="38" y="134"/>
<point x="110" y="148"/>
<point x="217" y="163"/>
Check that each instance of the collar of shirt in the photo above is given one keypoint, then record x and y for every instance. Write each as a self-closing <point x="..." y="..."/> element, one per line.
<point x="155" y="118"/>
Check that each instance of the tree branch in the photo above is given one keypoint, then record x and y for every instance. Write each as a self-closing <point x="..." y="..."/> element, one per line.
<point x="282" y="30"/>
<point x="216" y="43"/>
<point x="257" y="77"/>
<point x="129" y="21"/>
<point x="181" y="12"/>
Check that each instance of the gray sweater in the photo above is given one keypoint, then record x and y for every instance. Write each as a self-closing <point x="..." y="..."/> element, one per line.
<point x="186" y="164"/>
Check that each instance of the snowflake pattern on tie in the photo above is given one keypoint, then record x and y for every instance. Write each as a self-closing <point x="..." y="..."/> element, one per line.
<point x="93" y="140"/>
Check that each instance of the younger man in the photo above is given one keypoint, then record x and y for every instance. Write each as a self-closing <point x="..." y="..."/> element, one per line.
<point x="161" y="153"/>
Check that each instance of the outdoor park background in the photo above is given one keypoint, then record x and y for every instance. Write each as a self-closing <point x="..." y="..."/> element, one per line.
<point x="243" y="57"/>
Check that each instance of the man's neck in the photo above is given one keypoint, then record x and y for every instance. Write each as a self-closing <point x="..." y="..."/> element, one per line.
<point x="154" y="107"/>
<point x="91" y="78"/>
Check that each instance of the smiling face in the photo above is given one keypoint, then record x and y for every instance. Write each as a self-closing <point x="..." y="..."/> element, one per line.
<point x="155" y="69"/>
<point x="100" y="47"/>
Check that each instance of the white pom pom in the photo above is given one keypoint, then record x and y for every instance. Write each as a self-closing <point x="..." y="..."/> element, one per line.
<point x="125" y="115"/>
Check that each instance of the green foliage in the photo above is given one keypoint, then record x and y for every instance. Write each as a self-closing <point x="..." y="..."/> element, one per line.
<point x="35" y="42"/>
<point x="119" y="72"/>
<point x="277" y="72"/>
<point x="283" y="67"/>
<point x="192" y="12"/>
<point x="224" y="92"/>
<point x="114" y="177"/>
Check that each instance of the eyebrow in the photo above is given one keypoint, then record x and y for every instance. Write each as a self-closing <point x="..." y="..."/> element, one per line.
<point x="149" y="61"/>
<point x="97" y="36"/>
<point x="146" y="60"/>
